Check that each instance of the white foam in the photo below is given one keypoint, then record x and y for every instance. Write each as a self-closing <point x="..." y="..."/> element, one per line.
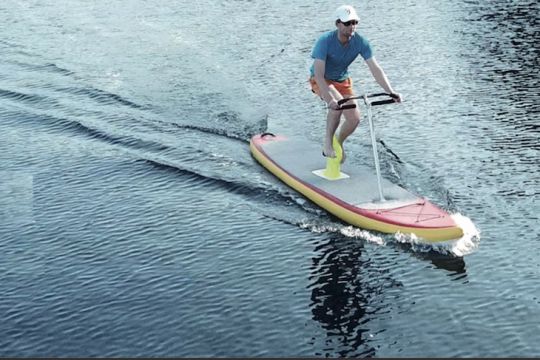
<point x="457" y="247"/>
<point x="354" y="232"/>
<point x="470" y="239"/>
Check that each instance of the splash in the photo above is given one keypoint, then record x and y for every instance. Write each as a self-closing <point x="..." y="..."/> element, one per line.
<point x="347" y="231"/>
<point x="458" y="247"/>
<point x="470" y="239"/>
<point x="465" y="245"/>
<point x="351" y="231"/>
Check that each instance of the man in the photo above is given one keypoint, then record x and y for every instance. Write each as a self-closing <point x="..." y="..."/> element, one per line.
<point x="333" y="52"/>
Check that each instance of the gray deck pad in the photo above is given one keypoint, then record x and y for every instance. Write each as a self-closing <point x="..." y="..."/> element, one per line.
<point x="301" y="157"/>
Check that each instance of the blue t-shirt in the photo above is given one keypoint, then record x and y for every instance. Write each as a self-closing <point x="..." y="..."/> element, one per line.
<point x="339" y="57"/>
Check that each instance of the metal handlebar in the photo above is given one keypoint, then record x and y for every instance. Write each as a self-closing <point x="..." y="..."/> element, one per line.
<point x="380" y="102"/>
<point x="368" y="103"/>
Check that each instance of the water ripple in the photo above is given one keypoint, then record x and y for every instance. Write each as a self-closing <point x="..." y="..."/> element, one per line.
<point x="149" y="230"/>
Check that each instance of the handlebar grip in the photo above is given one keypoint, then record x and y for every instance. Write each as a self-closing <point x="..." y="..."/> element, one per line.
<point x="345" y="107"/>
<point x="374" y="103"/>
<point x="382" y="102"/>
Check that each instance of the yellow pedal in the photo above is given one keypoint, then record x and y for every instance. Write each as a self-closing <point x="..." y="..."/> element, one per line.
<point x="333" y="165"/>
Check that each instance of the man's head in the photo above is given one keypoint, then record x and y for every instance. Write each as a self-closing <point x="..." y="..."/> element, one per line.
<point x="346" y="20"/>
<point x="346" y="14"/>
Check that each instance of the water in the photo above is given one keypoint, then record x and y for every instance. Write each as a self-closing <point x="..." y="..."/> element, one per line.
<point x="134" y="221"/>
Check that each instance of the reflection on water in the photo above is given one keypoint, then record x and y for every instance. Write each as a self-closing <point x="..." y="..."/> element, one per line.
<point x="347" y="290"/>
<point x="340" y="297"/>
<point x="454" y="264"/>
<point x="145" y="90"/>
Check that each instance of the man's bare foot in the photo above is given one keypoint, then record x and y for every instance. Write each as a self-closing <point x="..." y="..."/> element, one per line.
<point x="329" y="155"/>
<point x="328" y="151"/>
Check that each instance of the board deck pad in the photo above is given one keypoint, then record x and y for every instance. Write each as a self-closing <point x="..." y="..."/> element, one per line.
<point x="301" y="157"/>
<point x="354" y="198"/>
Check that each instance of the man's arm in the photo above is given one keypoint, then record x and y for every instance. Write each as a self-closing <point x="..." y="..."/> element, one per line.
<point x="319" y="67"/>
<point x="380" y="77"/>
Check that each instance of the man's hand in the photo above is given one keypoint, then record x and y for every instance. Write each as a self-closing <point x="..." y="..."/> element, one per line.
<point x="396" y="96"/>
<point x="333" y="104"/>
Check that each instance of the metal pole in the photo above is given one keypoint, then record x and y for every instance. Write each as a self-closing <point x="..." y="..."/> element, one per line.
<point x="374" y="147"/>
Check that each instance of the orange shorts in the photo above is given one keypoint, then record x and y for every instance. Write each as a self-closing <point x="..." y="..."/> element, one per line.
<point x="344" y="87"/>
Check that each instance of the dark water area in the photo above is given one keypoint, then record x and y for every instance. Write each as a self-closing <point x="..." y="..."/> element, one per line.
<point x="134" y="221"/>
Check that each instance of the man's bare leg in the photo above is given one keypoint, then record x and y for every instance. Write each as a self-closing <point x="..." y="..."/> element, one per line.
<point x="332" y="123"/>
<point x="352" y="119"/>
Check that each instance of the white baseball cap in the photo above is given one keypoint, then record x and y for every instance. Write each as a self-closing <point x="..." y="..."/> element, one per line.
<point x="346" y="13"/>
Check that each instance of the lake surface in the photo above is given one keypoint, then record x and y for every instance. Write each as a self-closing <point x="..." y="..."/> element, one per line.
<point x="134" y="221"/>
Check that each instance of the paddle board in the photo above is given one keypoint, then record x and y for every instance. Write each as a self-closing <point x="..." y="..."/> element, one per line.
<point x="352" y="196"/>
